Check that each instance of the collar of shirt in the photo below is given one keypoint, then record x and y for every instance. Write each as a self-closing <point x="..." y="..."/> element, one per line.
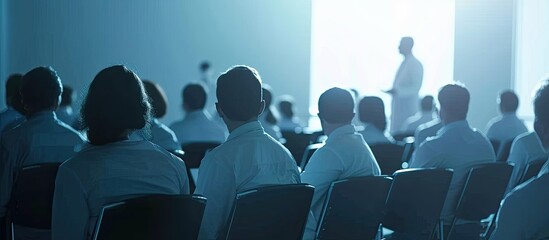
<point x="253" y="126"/>
<point x="343" y="130"/>
<point x="509" y="115"/>
<point x="197" y="114"/>
<point x="454" y="125"/>
<point x="43" y="115"/>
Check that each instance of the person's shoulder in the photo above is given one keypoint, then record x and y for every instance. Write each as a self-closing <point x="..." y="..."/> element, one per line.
<point x="525" y="139"/>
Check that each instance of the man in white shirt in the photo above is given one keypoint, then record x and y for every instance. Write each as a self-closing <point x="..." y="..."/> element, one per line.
<point x="249" y="158"/>
<point x="456" y="146"/>
<point x="10" y="115"/>
<point x="198" y="125"/>
<point x="406" y="86"/>
<point x="426" y="130"/>
<point x="41" y="139"/>
<point x="426" y="114"/>
<point x="507" y="126"/>
<point x="345" y="154"/>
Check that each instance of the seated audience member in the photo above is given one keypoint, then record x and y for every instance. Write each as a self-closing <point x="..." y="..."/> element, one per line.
<point x="65" y="112"/>
<point x="158" y="133"/>
<point x="426" y="130"/>
<point x="456" y="146"/>
<point x="372" y="114"/>
<point x="10" y="114"/>
<point x="426" y="114"/>
<point x="40" y="139"/>
<point x="112" y="168"/>
<point x="198" y="125"/>
<point x="345" y="154"/>
<point x="524" y="213"/>
<point x="507" y="126"/>
<point x="288" y="121"/>
<point x="267" y="118"/>
<point x="249" y="158"/>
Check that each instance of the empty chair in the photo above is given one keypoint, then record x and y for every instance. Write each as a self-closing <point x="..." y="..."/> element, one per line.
<point x="532" y="169"/>
<point x="194" y="152"/>
<point x="309" y="151"/>
<point x="354" y="208"/>
<point x="271" y="212"/>
<point x="482" y="193"/>
<point x="504" y="150"/>
<point x="415" y="202"/>
<point x="388" y="156"/>
<point x="152" y="217"/>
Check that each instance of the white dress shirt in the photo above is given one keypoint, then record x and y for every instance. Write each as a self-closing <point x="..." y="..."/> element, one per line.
<point x="105" y="174"/>
<point x="198" y="126"/>
<point x="524" y="213"/>
<point x="345" y="155"/>
<point x="372" y="135"/>
<point x="527" y="147"/>
<point x="407" y="84"/>
<point x="249" y="158"/>
<point x="505" y="127"/>
<point x="426" y="130"/>
<point x="160" y="135"/>
<point x="459" y="147"/>
<point x="8" y="116"/>
<point x="413" y="122"/>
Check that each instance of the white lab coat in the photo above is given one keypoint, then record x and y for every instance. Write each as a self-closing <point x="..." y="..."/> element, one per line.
<point x="407" y="84"/>
<point x="198" y="126"/>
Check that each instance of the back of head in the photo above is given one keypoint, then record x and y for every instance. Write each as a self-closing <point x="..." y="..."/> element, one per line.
<point x="508" y="102"/>
<point x="427" y="103"/>
<point x="194" y="97"/>
<point x="13" y="84"/>
<point x="406" y="45"/>
<point x="204" y="66"/>
<point x="268" y="98"/>
<point x="541" y="104"/>
<point x="454" y="102"/>
<point x="41" y="90"/>
<point x="286" y="107"/>
<point x="336" y="106"/>
<point x="66" y="96"/>
<point x="116" y="104"/>
<point x="157" y="98"/>
<point x="372" y="110"/>
<point x="239" y="93"/>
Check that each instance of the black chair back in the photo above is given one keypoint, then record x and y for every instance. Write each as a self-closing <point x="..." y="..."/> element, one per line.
<point x="194" y="152"/>
<point x="354" y="208"/>
<point x="504" y="150"/>
<point x="415" y="200"/>
<point x="402" y="135"/>
<point x="495" y="145"/>
<point x="296" y="144"/>
<point x="181" y="155"/>
<point x="532" y="169"/>
<point x="309" y="153"/>
<point x="271" y="212"/>
<point x="162" y="217"/>
<point x="388" y="157"/>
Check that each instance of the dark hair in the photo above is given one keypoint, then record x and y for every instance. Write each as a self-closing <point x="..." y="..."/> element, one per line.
<point x="204" y="66"/>
<point x="508" y="101"/>
<point x="427" y="103"/>
<point x="268" y="98"/>
<point x="372" y="110"/>
<point x="13" y="84"/>
<point x="454" y="100"/>
<point x="116" y="102"/>
<point x="66" y="96"/>
<point x="194" y="96"/>
<point x="239" y="93"/>
<point x="157" y="98"/>
<point x="286" y="108"/>
<point x="41" y="89"/>
<point x="336" y="105"/>
<point x="541" y="103"/>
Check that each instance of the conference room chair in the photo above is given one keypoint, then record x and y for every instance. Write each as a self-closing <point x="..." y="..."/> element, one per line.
<point x="504" y="151"/>
<point x="192" y="183"/>
<point x="308" y="153"/>
<point x="532" y="169"/>
<point x="495" y="145"/>
<point x="162" y="217"/>
<point x="195" y="152"/>
<point x="388" y="156"/>
<point x="409" y="148"/>
<point x="270" y="212"/>
<point x="402" y="135"/>
<point x="32" y="198"/>
<point x="354" y="208"/>
<point x="415" y="202"/>
<point x="296" y="142"/>
<point x="482" y="193"/>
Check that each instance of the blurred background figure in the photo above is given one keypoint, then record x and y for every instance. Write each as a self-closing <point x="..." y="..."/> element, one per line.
<point x="268" y="118"/>
<point x="11" y="114"/>
<point x="371" y="112"/>
<point x="426" y="114"/>
<point x="288" y="121"/>
<point x="65" y="112"/>
<point x="507" y="126"/>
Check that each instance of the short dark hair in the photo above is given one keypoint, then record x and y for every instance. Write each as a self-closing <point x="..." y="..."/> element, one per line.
<point x="508" y="101"/>
<point x="66" y="96"/>
<point x="372" y="110"/>
<point x="204" y="66"/>
<point x="454" y="100"/>
<point x="286" y="107"/>
<point x="427" y="103"/>
<point x="336" y="105"/>
<point x="194" y="96"/>
<point x="116" y="102"/>
<point x="41" y="89"/>
<point x="157" y="98"/>
<point x="239" y="93"/>
<point x="13" y="84"/>
<point x="541" y="103"/>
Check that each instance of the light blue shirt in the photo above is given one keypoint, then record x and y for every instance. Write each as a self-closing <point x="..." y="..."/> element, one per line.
<point x="505" y="127"/>
<point x="459" y="147"/>
<point x="249" y="158"/>
<point x="426" y="130"/>
<point x="105" y="174"/>
<point x="198" y="126"/>
<point x="8" y="116"/>
<point x="526" y="148"/>
<point x="373" y="135"/>
<point x="160" y="135"/>
<point x="66" y="115"/>
<point x="413" y="122"/>
<point x="271" y="129"/>
<point x="345" y="155"/>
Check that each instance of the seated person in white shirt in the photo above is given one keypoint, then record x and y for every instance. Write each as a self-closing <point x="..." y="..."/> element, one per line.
<point x="158" y="133"/>
<point x="506" y="127"/>
<point x="111" y="168"/>
<point x="426" y="130"/>
<point x="267" y="118"/>
<point x="40" y="139"/>
<point x="288" y="120"/>
<point x="198" y="125"/>
<point x="10" y="115"/>
<point x="249" y="158"/>
<point x="524" y="213"/>
<point x="345" y="154"/>
<point x="65" y="112"/>
<point x="456" y="146"/>
<point x="371" y="112"/>
<point x="426" y="114"/>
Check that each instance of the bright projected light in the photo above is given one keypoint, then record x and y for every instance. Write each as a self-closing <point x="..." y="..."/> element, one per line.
<point x="355" y="44"/>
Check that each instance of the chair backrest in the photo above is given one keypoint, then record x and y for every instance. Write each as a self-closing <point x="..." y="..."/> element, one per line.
<point x="388" y="157"/>
<point x="416" y="199"/>
<point x="354" y="208"/>
<point x="409" y="147"/>
<point x="296" y="143"/>
<point x="194" y="152"/>
<point x="483" y="191"/>
<point x="180" y="154"/>
<point x="32" y="196"/>
<point x="309" y="153"/>
<point x="495" y="145"/>
<point x="402" y="135"/>
<point x="504" y="150"/>
<point x="532" y="169"/>
<point x="152" y="217"/>
<point x="271" y="212"/>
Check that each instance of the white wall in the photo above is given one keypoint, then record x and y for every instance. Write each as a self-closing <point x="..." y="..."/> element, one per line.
<point x="164" y="40"/>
